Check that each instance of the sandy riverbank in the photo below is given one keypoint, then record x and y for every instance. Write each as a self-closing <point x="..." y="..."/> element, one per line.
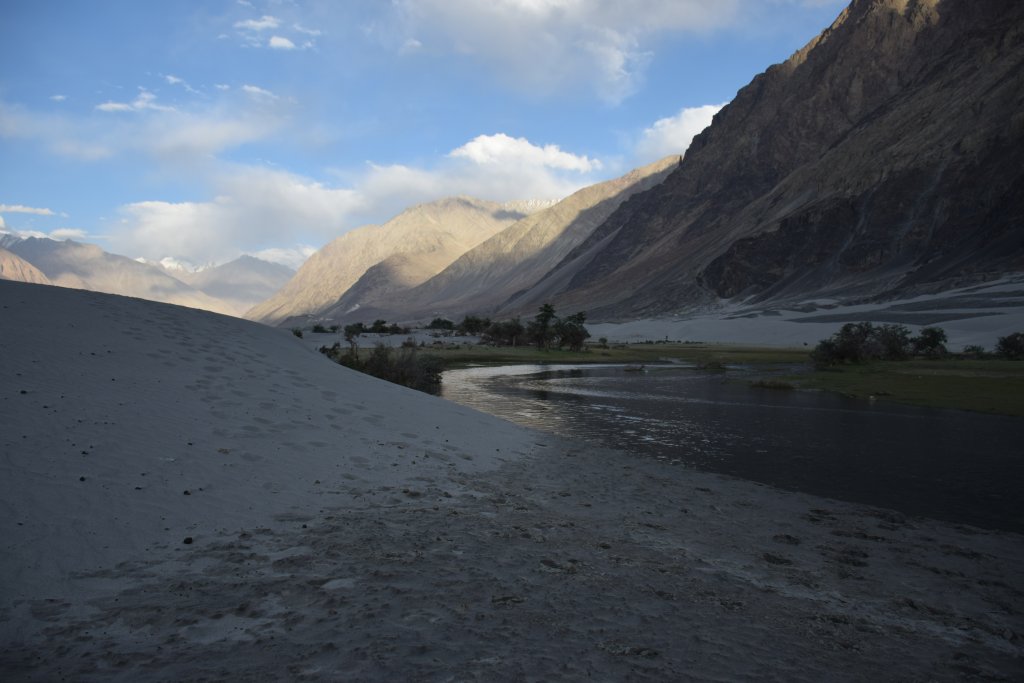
<point x="344" y="529"/>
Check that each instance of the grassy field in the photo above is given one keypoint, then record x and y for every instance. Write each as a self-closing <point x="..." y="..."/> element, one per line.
<point x="989" y="386"/>
<point x="700" y="354"/>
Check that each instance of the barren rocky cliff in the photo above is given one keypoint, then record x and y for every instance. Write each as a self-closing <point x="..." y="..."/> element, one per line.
<point x="885" y="157"/>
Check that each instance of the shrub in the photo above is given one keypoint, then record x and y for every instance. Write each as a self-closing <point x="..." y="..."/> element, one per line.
<point x="297" y="332"/>
<point x="930" y="342"/>
<point x="1011" y="346"/>
<point x="976" y="352"/>
<point x="772" y="384"/>
<point x="406" y="366"/>
<point x="319" y="329"/>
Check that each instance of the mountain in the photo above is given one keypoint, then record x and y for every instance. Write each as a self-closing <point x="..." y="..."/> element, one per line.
<point x="884" y="158"/>
<point x="239" y="284"/>
<point x="86" y="266"/>
<point x="405" y="251"/>
<point x="13" y="267"/>
<point x="481" y="280"/>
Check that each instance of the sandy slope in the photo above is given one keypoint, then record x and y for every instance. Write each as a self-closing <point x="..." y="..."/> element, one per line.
<point x="345" y="529"/>
<point x="978" y="315"/>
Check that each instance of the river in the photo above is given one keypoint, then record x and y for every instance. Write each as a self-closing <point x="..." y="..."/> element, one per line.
<point x="951" y="465"/>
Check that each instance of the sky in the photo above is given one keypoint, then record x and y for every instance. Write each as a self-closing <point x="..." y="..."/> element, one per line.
<point x="200" y="131"/>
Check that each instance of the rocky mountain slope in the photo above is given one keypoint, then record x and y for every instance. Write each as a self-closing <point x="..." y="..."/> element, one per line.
<point x="13" y="267"/>
<point x="886" y="157"/>
<point x="482" y="280"/>
<point x="405" y="251"/>
<point x="86" y="266"/>
<point x="240" y="284"/>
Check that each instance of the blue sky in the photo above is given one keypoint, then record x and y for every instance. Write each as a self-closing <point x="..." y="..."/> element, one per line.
<point x="204" y="130"/>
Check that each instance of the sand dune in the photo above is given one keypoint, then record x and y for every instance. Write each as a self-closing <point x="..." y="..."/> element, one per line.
<point x="187" y="496"/>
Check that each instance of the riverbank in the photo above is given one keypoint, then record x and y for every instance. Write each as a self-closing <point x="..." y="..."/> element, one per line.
<point x="186" y="496"/>
<point x="990" y="386"/>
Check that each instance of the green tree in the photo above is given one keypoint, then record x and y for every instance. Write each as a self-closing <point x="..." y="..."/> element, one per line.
<point x="472" y="324"/>
<point x="930" y="342"/>
<point x="540" y="329"/>
<point x="505" y="333"/>
<point x="1011" y="346"/>
<point x="571" y="332"/>
<point x="441" y="324"/>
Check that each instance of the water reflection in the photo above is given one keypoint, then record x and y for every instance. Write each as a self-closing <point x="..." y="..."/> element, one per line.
<point x="951" y="465"/>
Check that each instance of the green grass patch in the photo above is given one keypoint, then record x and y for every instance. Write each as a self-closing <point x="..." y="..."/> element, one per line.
<point x="698" y="354"/>
<point x="989" y="386"/>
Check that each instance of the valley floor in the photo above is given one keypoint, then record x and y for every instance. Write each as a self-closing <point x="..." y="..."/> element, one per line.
<point x="569" y="564"/>
<point x="189" y="497"/>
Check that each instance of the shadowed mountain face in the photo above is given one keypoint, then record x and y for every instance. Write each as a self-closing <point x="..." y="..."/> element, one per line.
<point x="405" y="251"/>
<point x="885" y="157"/>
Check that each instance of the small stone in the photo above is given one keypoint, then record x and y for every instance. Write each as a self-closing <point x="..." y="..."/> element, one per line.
<point x="187" y="492"/>
<point x="81" y="479"/>
<point x="188" y="540"/>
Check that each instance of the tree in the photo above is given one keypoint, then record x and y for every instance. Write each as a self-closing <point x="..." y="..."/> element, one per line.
<point x="893" y="341"/>
<point x="352" y="333"/>
<point x="1011" y="346"/>
<point x="504" y="333"/>
<point x="571" y="332"/>
<point x="441" y="324"/>
<point x="474" y="325"/>
<point x="930" y="342"/>
<point x="379" y="327"/>
<point x="861" y="342"/>
<point x="540" y="329"/>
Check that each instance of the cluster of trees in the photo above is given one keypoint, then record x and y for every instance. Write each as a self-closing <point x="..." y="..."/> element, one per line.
<point x="861" y="342"/>
<point x="376" y="327"/>
<point x="405" y="366"/>
<point x="471" y="324"/>
<point x="545" y="331"/>
<point x="1011" y="346"/>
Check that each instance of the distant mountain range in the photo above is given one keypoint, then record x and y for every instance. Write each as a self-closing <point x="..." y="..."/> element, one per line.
<point x="377" y="260"/>
<point x="884" y="159"/>
<point x="231" y="288"/>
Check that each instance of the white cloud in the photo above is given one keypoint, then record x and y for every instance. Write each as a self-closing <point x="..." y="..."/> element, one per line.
<point x="2" y="224"/>
<point x="262" y="24"/>
<point x="68" y="234"/>
<point x="674" y="134"/>
<point x="502" y="149"/>
<point x="547" y="46"/>
<point x="145" y="100"/>
<point x="58" y="98"/>
<point x="307" y="31"/>
<point x="262" y="210"/>
<point x="293" y="257"/>
<point x="21" y="208"/>
<point x="280" y="43"/>
<point x="258" y="92"/>
<point x="174" y="80"/>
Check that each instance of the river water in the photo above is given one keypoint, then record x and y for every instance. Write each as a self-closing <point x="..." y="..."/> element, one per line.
<point x="951" y="465"/>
